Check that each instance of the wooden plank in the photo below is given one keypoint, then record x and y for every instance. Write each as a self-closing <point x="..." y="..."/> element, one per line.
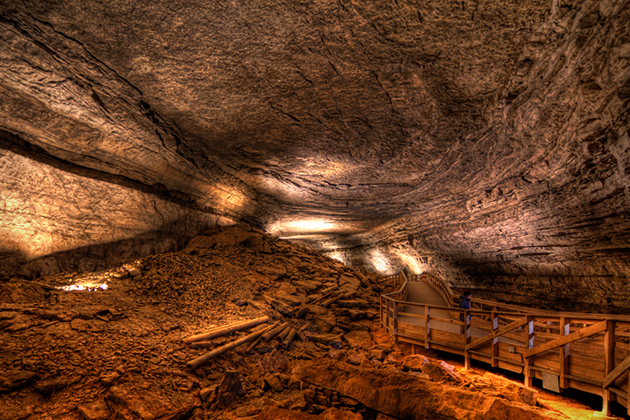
<point x="513" y="367"/>
<point x="586" y="387"/>
<point x="468" y="339"/>
<point x="410" y="339"/>
<point x="529" y="345"/>
<point x="616" y="372"/>
<point x="609" y="357"/>
<point x="395" y="320"/>
<point x="584" y="332"/>
<point x="439" y="347"/>
<point x="448" y="338"/>
<point x="427" y="317"/>
<point x="565" y="329"/>
<point x="500" y="331"/>
<point x="586" y="380"/>
<point x="411" y="315"/>
<point x="381" y="313"/>
<point x="495" y="340"/>
<point x="447" y="321"/>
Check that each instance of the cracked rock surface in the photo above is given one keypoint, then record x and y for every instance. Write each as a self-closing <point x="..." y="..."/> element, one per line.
<point x="73" y="351"/>
<point x="486" y="141"/>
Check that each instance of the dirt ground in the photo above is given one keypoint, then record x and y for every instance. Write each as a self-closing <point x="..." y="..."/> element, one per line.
<point x="108" y="345"/>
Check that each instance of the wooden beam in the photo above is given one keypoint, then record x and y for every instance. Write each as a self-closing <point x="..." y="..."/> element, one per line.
<point x="381" y="312"/>
<point x="565" y="329"/>
<point x="395" y="321"/>
<point x="529" y="379"/>
<point x="619" y="370"/>
<point x="584" y="332"/>
<point x="467" y="333"/>
<point x="427" y="327"/>
<point x="609" y="360"/>
<point x="518" y="323"/>
<point x="495" y="340"/>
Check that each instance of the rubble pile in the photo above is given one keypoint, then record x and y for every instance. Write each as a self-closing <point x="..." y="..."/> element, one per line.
<point x="236" y="325"/>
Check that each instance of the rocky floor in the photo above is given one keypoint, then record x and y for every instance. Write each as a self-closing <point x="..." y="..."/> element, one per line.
<point x="109" y="345"/>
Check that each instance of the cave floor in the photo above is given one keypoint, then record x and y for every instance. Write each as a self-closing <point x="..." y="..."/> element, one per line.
<point x="118" y="353"/>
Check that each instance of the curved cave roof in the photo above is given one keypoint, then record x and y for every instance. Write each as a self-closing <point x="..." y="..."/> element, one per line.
<point x="481" y="138"/>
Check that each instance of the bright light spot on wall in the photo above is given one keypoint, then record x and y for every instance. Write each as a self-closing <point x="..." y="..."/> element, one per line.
<point x="410" y="261"/>
<point x="380" y="262"/>
<point x="301" y="227"/>
<point x="336" y="255"/>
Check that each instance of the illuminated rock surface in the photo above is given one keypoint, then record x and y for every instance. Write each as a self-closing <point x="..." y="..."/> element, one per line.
<point x="118" y="353"/>
<point x="487" y="141"/>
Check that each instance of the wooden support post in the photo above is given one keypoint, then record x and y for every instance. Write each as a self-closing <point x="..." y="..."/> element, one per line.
<point x="565" y="329"/>
<point x="495" y="341"/>
<point x="467" y="332"/>
<point x="381" y="313"/>
<point x="395" y="322"/>
<point x="529" y="345"/>
<point x="427" y="327"/>
<point x="609" y="360"/>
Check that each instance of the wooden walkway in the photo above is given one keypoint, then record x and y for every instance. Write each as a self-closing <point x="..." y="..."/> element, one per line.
<point x="589" y="352"/>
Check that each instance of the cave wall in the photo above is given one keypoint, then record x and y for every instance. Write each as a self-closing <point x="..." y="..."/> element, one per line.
<point x="546" y="220"/>
<point x="55" y="220"/>
<point x="486" y="141"/>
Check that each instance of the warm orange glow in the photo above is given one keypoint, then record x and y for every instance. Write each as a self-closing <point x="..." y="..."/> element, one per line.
<point x="83" y="287"/>
<point x="295" y="228"/>
<point x="336" y="255"/>
<point x="380" y="262"/>
<point x="408" y="257"/>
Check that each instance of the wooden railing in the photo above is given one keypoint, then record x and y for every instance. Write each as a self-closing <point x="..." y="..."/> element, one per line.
<point x="588" y="352"/>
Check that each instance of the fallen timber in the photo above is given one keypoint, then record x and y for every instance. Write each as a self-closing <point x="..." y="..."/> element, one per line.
<point x="228" y="329"/>
<point x="588" y="352"/>
<point x="194" y="364"/>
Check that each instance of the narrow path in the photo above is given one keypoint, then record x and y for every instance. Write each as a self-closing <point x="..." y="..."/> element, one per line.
<point x="425" y="293"/>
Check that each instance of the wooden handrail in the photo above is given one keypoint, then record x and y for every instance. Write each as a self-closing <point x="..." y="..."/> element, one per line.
<point x="616" y="372"/>
<point x="583" y="333"/>
<point x="518" y="323"/>
<point x="546" y="330"/>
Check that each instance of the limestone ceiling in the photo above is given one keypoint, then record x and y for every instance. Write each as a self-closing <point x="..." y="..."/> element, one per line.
<point x="326" y="107"/>
<point x="474" y="124"/>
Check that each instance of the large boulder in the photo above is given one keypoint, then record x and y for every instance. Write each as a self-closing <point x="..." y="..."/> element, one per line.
<point x="409" y="397"/>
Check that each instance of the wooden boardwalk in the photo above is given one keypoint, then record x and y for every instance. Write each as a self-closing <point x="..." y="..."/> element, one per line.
<point x="589" y="352"/>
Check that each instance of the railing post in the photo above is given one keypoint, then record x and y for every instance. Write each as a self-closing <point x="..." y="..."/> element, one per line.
<point x="609" y="355"/>
<point x="427" y="327"/>
<point x="495" y="341"/>
<point x="529" y="345"/>
<point x="565" y="329"/>
<point x="467" y="333"/>
<point x="381" y="312"/>
<point x="395" y="322"/>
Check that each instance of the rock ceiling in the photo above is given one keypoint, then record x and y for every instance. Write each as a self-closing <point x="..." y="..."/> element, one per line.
<point x="485" y="139"/>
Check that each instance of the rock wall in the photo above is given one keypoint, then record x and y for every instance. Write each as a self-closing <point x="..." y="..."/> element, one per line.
<point x="486" y="141"/>
<point x="55" y="220"/>
<point x="541" y="214"/>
